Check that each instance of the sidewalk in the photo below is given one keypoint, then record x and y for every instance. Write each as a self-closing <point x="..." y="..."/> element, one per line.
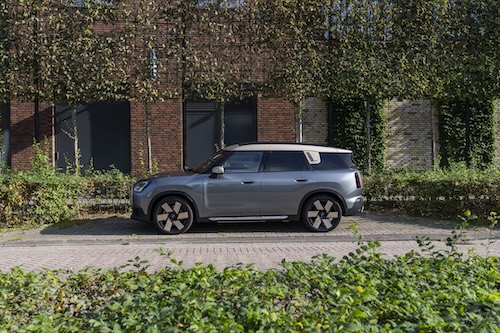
<point x="112" y="242"/>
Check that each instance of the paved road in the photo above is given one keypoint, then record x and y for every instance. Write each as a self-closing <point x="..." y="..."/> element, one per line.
<point x="112" y="242"/>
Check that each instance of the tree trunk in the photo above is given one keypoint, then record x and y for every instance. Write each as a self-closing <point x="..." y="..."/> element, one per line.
<point x="368" y="139"/>
<point x="467" y="133"/>
<point x="222" y="127"/>
<point x="148" y="137"/>
<point x="76" y="143"/>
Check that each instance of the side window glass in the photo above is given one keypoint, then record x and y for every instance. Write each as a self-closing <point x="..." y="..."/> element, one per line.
<point x="288" y="161"/>
<point x="243" y="161"/>
<point x="332" y="161"/>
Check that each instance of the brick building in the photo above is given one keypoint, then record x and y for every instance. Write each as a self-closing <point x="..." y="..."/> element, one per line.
<point x="412" y="131"/>
<point x="115" y="133"/>
<point x="182" y="132"/>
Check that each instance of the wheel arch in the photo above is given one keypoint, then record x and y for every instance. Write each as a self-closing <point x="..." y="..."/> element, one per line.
<point x="331" y="193"/>
<point x="163" y="195"/>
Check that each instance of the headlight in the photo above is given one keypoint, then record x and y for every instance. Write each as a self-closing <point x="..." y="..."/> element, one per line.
<point x="140" y="186"/>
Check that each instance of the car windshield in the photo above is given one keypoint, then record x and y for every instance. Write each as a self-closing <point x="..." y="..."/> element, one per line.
<point x="207" y="165"/>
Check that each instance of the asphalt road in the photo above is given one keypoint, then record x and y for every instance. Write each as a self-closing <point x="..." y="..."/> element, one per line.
<point x="117" y="241"/>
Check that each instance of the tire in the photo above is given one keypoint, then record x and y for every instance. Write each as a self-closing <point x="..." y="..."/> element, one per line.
<point x="173" y="215"/>
<point x="321" y="213"/>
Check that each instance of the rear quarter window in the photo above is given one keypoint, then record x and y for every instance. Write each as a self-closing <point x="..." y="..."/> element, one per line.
<point x="334" y="161"/>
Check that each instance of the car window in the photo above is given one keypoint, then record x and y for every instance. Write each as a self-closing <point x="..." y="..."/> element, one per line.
<point x="243" y="161"/>
<point x="216" y="159"/>
<point x="334" y="161"/>
<point x="287" y="161"/>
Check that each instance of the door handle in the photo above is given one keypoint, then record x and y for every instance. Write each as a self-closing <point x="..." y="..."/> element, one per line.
<point x="301" y="180"/>
<point x="246" y="182"/>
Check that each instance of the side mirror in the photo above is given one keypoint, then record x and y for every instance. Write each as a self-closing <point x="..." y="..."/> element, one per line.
<point x="217" y="171"/>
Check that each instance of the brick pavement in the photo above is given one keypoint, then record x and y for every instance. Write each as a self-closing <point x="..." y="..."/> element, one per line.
<point x="112" y="242"/>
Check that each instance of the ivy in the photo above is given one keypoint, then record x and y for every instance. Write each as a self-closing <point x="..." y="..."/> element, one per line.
<point x="453" y="124"/>
<point x="224" y="49"/>
<point x="349" y="131"/>
<point x="221" y="50"/>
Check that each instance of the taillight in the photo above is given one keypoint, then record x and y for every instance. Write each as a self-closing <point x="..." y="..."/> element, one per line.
<point x="358" y="180"/>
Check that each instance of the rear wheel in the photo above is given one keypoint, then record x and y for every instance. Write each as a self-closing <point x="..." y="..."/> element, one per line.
<point x="321" y="213"/>
<point x="173" y="215"/>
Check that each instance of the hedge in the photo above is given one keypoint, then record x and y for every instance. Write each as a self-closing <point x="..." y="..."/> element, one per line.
<point x="45" y="197"/>
<point x="435" y="193"/>
<point x="437" y="292"/>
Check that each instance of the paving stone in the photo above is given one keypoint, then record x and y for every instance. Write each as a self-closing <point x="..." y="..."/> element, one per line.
<point x="113" y="242"/>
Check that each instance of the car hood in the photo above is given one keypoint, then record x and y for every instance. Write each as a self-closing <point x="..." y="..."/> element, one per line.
<point x="173" y="178"/>
<point x="171" y="174"/>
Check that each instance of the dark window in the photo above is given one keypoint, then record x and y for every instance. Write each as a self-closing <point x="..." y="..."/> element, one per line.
<point x="333" y="161"/>
<point x="4" y="136"/>
<point x="287" y="161"/>
<point x="83" y="3"/>
<point x="243" y="161"/>
<point x="203" y="127"/>
<point x="227" y="3"/>
<point x="103" y="136"/>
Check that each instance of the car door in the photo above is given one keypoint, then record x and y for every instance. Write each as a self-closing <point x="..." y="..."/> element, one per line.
<point x="286" y="179"/>
<point x="235" y="193"/>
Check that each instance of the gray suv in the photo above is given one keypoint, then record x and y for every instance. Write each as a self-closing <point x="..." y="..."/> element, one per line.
<point x="255" y="182"/>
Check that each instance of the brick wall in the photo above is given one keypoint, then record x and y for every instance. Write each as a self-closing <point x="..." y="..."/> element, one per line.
<point x="166" y="135"/>
<point x="497" y="134"/>
<point x="315" y="121"/>
<point x="275" y="120"/>
<point x="412" y="129"/>
<point x="409" y="131"/>
<point x="22" y="119"/>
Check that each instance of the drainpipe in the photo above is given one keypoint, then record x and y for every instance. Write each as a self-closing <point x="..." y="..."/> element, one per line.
<point x="330" y="122"/>
<point x="299" y="126"/>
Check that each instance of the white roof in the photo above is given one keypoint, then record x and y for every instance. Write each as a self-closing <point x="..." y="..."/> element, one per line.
<point x="285" y="147"/>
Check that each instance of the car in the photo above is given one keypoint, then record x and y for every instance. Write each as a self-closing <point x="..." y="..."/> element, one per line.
<point x="255" y="182"/>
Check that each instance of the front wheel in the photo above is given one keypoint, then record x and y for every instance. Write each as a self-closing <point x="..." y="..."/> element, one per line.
<point x="173" y="215"/>
<point x="321" y="213"/>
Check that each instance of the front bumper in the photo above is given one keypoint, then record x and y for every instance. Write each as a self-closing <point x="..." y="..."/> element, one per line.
<point x="138" y="214"/>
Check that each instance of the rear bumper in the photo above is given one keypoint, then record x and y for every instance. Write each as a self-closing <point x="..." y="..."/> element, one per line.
<point x="357" y="208"/>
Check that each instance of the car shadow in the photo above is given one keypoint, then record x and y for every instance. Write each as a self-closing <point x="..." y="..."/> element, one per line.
<point x="371" y="223"/>
<point x="121" y="226"/>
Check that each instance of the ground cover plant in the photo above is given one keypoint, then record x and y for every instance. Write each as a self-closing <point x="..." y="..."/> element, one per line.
<point x="430" y="291"/>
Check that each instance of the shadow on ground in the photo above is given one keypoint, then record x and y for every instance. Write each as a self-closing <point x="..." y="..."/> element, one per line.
<point x="121" y="226"/>
<point x="371" y="223"/>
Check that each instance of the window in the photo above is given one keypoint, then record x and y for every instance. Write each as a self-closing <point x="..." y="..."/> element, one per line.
<point x="287" y="161"/>
<point x="4" y="136"/>
<point x="244" y="161"/>
<point x="331" y="161"/>
<point x="225" y="3"/>
<point x="87" y="3"/>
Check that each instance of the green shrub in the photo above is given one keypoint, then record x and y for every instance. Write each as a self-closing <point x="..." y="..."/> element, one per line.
<point x="107" y="191"/>
<point x="43" y="196"/>
<point x="363" y="292"/>
<point x="436" y="193"/>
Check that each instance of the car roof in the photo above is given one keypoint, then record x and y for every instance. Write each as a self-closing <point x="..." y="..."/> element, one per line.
<point x="280" y="146"/>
